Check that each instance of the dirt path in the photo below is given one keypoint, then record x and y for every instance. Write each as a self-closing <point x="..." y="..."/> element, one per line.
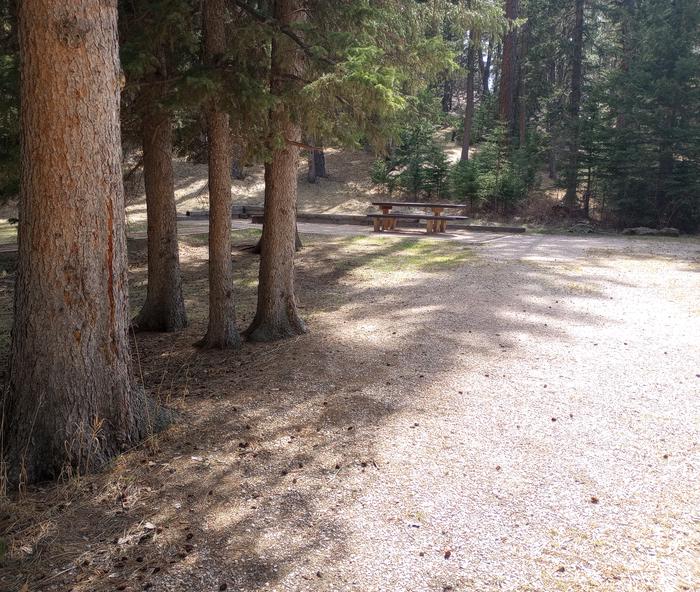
<point x="523" y="416"/>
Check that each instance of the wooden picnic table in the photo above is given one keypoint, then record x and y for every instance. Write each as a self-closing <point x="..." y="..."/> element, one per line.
<point x="388" y="221"/>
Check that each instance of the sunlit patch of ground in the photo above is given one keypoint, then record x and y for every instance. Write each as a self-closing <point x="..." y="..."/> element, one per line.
<point x="8" y="232"/>
<point x="347" y="189"/>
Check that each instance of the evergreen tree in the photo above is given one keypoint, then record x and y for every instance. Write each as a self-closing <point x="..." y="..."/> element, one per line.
<point x="650" y="162"/>
<point x="71" y="403"/>
<point x="277" y="315"/>
<point x="221" y="331"/>
<point x="153" y="50"/>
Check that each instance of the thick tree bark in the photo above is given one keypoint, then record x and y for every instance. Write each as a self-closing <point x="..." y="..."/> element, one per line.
<point x="571" y="198"/>
<point x="522" y="76"/>
<point x="71" y="403"/>
<point x="298" y="244"/>
<point x="277" y="315"/>
<point x="469" y="107"/>
<point x="506" y="105"/>
<point x="221" y="332"/>
<point x="164" y="309"/>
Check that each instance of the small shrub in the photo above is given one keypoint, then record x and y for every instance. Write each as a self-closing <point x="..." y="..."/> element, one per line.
<point x="464" y="182"/>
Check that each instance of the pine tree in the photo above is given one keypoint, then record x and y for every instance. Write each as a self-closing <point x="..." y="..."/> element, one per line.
<point x="72" y="403"/>
<point x="153" y="49"/>
<point x="221" y="331"/>
<point x="277" y="314"/>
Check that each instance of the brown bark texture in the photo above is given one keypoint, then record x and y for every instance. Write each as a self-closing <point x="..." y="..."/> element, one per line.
<point x="164" y="308"/>
<point x="522" y="77"/>
<point x="221" y="331"/>
<point x="71" y="402"/>
<point x="277" y="315"/>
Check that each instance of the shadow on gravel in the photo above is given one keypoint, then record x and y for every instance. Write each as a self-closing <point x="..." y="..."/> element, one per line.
<point x="249" y="487"/>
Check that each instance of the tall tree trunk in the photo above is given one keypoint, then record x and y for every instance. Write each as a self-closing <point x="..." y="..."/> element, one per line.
<point x="571" y="198"/>
<point x="71" y="402"/>
<point x="221" y="332"/>
<point x="506" y="106"/>
<point x="317" y="162"/>
<point x="522" y="76"/>
<point x="447" y="90"/>
<point x="164" y="309"/>
<point x="320" y="161"/>
<point x="311" y="173"/>
<point x="469" y="107"/>
<point x="277" y="315"/>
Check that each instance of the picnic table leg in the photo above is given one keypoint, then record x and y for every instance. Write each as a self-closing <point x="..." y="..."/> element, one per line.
<point x="386" y="222"/>
<point x="438" y="224"/>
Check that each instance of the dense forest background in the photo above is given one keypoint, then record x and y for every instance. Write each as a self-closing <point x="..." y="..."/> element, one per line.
<point x="603" y="95"/>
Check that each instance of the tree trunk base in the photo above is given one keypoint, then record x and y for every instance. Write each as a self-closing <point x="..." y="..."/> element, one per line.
<point x="87" y="448"/>
<point x="298" y="245"/>
<point x="263" y="330"/>
<point x="230" y="339"/>
<point x="159" y="319"/>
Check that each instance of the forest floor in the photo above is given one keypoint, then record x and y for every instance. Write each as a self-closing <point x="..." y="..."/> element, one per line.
<point x="520" y="414"/>
<point x="348" y="189"/>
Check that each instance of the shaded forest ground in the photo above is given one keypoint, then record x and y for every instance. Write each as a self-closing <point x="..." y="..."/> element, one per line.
<point x="516" y="415"/>
<point x="347" y="190"/>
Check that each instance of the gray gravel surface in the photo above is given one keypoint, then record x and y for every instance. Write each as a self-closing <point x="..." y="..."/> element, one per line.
<point x="528" y="420"/>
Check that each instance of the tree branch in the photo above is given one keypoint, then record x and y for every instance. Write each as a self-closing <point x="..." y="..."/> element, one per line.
<point x="302" y="145"/>
<point x="266" y="20"/>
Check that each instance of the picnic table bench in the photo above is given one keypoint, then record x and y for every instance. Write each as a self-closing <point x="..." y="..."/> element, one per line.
<point x="435" y="222"/>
